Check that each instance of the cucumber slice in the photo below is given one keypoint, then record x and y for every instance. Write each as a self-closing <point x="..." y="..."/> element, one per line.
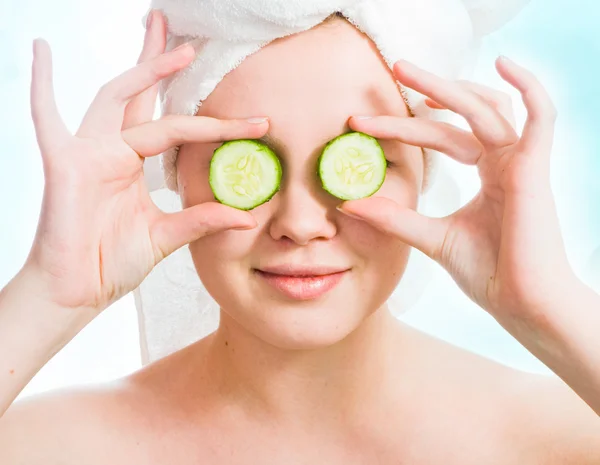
<point x="244" y="174"/>
<point x="352" y="166"/>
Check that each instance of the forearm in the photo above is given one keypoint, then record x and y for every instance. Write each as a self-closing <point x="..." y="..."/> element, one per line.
<point x="32" y="331"/>
<point x="565" y="336"/>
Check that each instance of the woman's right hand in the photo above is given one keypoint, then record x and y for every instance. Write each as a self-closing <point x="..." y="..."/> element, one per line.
<point x="99" y="232"/>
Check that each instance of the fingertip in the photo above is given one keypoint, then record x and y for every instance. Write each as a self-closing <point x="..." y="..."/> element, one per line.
<point x="184" y="54"/>
<point x="509" y="71"/>
<point x="357" y="122"/>
<point x="161" y="30"/>
<point x="255" y="127"/>
<point x="246" y="225"/>
<point x="243" y="228"/>
<point x="342" y="209"/>
<point x="506" y="65"/>
<point x="258" y="120"/>
<point x="503" y="59"/>
<point x="400" y="65"/>
<point x="241" y="219"/>
<point x="433" y="104"/>
<point x="150" y="19"/>
<point x="40" y="48"/>
<point x="41" y="69"/>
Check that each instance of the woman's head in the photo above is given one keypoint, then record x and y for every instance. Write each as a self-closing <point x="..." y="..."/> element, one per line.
<point x="308" y="84"/>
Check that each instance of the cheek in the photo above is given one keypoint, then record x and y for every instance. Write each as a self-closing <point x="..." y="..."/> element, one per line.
<point x="378" y="250"/>
<point x="384" y="255"/>
<point x="222" y="250"/>
<point x="382" y="260"/>
<point x="221" y="262"/>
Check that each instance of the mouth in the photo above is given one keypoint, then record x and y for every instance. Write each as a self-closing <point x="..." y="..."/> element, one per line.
<point x="302" y="284"/>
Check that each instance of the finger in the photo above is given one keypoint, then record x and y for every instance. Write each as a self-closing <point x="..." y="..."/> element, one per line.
<point x="156" y="137"/>
<point x="50" y="129"/>
<point x="457" y="143"/>
<point x="421" y="232"/>
<point x="488" y="125"/>
<point x="141" y="108"/>
<point x="173" y="230"/>
<point x="538" y="133"/>
<point x="498" y="100"/>
<point x="433" y="104"/>
<point x="105" y="115"/>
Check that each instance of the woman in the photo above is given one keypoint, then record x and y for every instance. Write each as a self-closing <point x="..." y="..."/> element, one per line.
<point x="289" y="377"/>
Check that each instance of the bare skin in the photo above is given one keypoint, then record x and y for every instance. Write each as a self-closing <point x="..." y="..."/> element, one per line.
<point x="440" y="405"/>
<point x="384" y="393"/>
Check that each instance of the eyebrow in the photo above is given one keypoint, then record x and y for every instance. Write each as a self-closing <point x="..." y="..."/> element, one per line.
<point x="275" y="144"/>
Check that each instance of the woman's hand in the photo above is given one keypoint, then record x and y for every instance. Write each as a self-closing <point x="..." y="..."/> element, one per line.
<point x="99" y="233"/>
<point x="504" y="248"/>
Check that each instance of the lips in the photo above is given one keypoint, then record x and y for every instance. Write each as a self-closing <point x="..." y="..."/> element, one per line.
<point x="302" y="271"/>
<point x="302" y="283"/>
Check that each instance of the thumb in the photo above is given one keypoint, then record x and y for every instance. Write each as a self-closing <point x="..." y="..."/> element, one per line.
<point x="50" y="129"/>
<point x="419" y="231"/>
<point x="174" y="230"/>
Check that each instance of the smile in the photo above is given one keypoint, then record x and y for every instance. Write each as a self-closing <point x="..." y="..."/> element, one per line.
<point x="302" y="287"/>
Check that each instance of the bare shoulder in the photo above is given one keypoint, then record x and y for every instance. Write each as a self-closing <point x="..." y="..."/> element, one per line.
<point x="69" y="426"/>
<point x="75" y="425"/>
<point x="553" y="421"/>
<point x="539" y="418"/>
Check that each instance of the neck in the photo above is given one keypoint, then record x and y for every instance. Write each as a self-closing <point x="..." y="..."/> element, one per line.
<point x="298" y="383"/>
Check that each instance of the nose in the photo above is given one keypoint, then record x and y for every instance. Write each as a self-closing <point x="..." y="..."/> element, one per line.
<point x="303" y="214"/>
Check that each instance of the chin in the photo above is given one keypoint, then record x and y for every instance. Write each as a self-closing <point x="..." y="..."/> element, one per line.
<point x="302" y="326"/>
<point x="278" y="319"/>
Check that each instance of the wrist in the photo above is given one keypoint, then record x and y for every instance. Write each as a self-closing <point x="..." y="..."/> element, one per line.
<point x="563" y="335"/>
<point x="28" y="293"/>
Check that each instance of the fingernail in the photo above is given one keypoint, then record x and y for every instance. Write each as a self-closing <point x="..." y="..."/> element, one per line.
<point x="244" y="228"/>
<point x="149" y="19"/>
<point x="363" y="117"/>
<point x="257" y="120"/>
<point x="351" y="215"/>
<point x="180" y="47"/>
<point x="404" y="63"/>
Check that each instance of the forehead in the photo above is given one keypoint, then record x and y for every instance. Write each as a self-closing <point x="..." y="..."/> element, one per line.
<point x="328" y="73"/>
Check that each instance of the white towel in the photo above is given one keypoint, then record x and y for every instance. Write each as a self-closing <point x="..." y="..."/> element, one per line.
<point x="441" y="36"/>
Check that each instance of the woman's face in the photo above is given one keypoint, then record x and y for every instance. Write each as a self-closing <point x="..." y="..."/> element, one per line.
<point x="308" y="84"/>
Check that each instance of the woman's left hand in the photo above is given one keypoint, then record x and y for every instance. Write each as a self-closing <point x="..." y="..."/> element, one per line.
<point x="504" y="248"/>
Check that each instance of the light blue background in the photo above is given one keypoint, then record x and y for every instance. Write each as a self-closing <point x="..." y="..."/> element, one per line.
<point x="93" y="42"/>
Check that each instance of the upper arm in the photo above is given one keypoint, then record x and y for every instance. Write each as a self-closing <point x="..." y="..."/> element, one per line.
<point x="553" y="424"/>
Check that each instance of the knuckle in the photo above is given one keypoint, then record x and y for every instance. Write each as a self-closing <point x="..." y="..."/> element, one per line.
<point x="546" y="106"/>
<point x="158" y="68"/>
<point x="174" y="130"/>
<point x="109" y="92"/>
<point x="223" y="135"/>
<point x="228" y="129"/>
<point x="154" y="70"/>
<point x="106" y="90"/>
